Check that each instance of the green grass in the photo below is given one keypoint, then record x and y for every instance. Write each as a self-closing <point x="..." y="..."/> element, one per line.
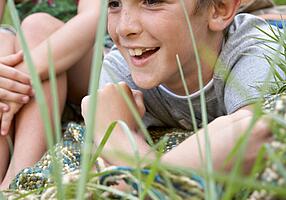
<point x="6" y="17"/>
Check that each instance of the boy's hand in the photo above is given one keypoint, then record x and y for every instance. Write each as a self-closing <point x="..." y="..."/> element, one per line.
<point x="111" y="106"/>
<point x="14" y="85"/>
<point x="7" y="117"/>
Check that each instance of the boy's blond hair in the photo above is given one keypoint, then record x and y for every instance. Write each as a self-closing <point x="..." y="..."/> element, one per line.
<point x="205" y="3"/>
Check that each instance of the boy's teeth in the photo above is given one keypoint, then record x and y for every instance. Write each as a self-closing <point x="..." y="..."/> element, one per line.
<point x="138" y="52"/>
<point x="131" y="52"/>
<point x="149" y="49"/>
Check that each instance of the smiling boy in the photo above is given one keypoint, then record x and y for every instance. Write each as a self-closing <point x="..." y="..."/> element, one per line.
<point x="148" y="35"/>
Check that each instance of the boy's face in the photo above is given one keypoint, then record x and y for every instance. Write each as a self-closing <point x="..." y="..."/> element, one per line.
<point x="149" y="34"/>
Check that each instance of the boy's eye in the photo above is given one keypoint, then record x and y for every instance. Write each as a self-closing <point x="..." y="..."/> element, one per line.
<point x="113" y="4"/>
<point x="152" y="2"/>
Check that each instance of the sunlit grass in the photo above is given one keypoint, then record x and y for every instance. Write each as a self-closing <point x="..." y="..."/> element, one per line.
<point x="40" y="98"/>
<point x="6" y="19"/>
<point x="210" y="188"/>
<point x="94" y="82"/>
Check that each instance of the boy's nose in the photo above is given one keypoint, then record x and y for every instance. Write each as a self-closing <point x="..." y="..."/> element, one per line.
<point x="129" y="24"/>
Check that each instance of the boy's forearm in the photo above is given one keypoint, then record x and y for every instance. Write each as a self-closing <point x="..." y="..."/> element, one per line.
<point x="223" y="133"/>
<point x="67" y="45"/>
<point x="187" y="154"/>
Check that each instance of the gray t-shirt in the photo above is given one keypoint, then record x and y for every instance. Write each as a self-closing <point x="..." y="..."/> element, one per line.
<point x="238" y="71"/>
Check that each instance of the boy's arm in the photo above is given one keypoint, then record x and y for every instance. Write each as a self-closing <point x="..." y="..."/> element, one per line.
<point x="224" y="132"/>
<point x="70" y="42"/>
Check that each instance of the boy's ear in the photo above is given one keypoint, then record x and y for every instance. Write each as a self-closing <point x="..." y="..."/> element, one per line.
<point x="222" y="14"/>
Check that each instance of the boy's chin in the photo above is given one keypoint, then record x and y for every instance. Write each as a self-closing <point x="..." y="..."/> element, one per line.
<point x="146" y="85"/>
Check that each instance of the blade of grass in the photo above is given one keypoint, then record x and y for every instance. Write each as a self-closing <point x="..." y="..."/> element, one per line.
<point x="151" y="177"/>
<point x="142" y="127"/>
<point x="135" y="149"/>
<point x="239" y="181"/>
<point x="33" y="72"/>
<point x="259" y="162"/>
<point x="257" y="167"/>
<point x="210" y="189"/>
<point x="94" y="82"/>
<point x="170" y="188"/>
<point x="194" y="121"/>
<point x="230" y="188"/>
<point x="278" y="119"/>
<point x="116" y="192"/>
<point x="102" y="143"/>
<point x="54" y="89"/>
<point x="40" y="97"/>
<point x="2" y="196"/>
<point x="284" y="36"/>
<point x="250" y="183"/>
<point x="57" y="165"/>
<point x="6" y="17"/>
<point x="274" y="38"/>
<point x="276" y="161"/>
<point x="133" y="110"/>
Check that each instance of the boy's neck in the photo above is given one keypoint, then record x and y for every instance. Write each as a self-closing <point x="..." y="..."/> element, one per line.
<point x="191" y="94"/>
<point x="192" y="83"/>
<point x="208" y="61"/>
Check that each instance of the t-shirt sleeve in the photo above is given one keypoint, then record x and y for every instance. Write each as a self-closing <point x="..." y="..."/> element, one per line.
<point x="250" y="71"/>
<point x="114" y="69"/>
<point x="246" y="80"/>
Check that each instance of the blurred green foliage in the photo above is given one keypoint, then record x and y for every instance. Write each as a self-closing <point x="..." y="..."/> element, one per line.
<point x="61" y="9"/>
<point x="280" y="2"/>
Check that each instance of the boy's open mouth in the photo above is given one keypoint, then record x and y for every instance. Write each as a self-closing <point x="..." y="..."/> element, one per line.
<point x="141" y="53"/>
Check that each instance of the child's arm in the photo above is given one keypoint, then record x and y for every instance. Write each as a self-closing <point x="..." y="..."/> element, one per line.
<point x="224" y="132"/>
<point x="70" y="42"/>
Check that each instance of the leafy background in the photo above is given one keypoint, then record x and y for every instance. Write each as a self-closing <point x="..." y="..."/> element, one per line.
<point x="280" y="2"/>
<point x="64" y="11"/>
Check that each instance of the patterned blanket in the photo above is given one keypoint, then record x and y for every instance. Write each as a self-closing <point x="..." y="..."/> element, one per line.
<point x="38" y="183"/>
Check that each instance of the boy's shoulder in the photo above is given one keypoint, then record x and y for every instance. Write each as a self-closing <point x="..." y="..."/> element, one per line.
<point x="244" y="31"/>
<point x="246" y="23"/>
<point x="245" y="40"/>
<point x="115" y="68"/>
